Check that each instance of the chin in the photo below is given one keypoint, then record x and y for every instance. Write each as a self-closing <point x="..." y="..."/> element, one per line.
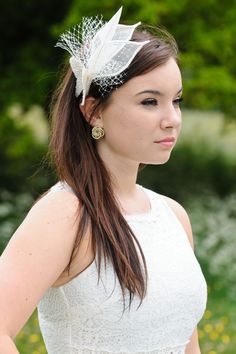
<point x="159" y="161"/>
<point x="165" y="160"/>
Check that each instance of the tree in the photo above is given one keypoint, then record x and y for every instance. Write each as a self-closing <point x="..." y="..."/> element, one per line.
<point x="205" y="31"/>
<point x="28" y="60"/>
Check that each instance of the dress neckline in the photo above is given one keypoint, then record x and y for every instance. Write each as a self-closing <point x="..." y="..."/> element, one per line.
<point x="129" y="217"/>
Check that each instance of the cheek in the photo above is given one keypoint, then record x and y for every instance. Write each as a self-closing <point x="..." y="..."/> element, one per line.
<point x="124" y="132"/>
<point x="118" y="121"/>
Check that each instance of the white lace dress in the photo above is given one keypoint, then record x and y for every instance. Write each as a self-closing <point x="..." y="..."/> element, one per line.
<point x="85" y="317"/>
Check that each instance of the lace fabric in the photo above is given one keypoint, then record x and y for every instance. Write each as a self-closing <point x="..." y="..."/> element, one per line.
<point x="100" y="52"/>
<point x="85" y="316"/>
<point x="176" y="350"/>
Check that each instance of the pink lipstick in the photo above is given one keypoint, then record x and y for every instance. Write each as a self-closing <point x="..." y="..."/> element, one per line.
<point x="168" y="142"/>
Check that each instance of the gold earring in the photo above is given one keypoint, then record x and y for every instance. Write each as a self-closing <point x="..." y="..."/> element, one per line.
<point x="97" y="132"/>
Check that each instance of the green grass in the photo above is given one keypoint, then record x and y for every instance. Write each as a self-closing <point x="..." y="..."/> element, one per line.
<point x="217" y="330"/>
<point x="29" y="340"/>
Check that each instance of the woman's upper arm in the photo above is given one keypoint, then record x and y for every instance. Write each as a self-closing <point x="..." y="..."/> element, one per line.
<point x="34" y="258"/>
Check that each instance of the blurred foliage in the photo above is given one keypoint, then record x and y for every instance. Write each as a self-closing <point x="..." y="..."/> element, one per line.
<point x="13" y="209"/>
<point x="213" y="221"/>
<point x="28" y="60"/>
<point x="21" y="155"/>
<point x="204" y="30"/>
<point x="30" y="340"/>
<point x="217" y="329"/>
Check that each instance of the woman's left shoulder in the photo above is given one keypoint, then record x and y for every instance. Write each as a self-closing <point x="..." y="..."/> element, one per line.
<point x="182" y="215"/>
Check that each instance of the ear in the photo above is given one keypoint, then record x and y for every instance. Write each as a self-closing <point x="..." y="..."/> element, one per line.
<point x="91" y="111"/>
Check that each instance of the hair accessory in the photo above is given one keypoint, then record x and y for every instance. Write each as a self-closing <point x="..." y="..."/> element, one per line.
<point x="100" y="52"/>
<point x="97" y="132"/>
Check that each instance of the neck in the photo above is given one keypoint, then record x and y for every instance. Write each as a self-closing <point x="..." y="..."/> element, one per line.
<point x="124" y="183"/>
<point x="123" y="175"/>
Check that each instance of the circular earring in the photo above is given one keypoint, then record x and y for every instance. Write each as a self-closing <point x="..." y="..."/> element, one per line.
<point x="97" y="132"/>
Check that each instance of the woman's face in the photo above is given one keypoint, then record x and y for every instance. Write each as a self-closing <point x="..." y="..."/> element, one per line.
<point x="141" y="114"/>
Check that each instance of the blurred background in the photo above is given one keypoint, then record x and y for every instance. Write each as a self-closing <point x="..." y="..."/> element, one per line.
<point x="201" y="173"/>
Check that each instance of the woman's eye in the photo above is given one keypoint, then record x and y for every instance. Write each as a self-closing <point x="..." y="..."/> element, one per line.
<point x="178" y="101"/>
<point x="149" y="102"/>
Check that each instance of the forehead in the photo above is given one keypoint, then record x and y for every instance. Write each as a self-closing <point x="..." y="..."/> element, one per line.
<point x="165" y="78"/>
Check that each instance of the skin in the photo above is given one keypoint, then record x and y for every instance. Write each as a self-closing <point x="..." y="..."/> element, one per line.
<point x="133" y="121"/>
<point x="142" y="111"/>
<point x="38" y="252"/>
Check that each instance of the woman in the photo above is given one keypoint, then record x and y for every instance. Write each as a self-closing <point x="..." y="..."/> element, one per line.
<point x="109" y="263"/>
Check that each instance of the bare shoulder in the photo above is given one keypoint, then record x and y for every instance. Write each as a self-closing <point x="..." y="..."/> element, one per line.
<point x="182" y="215"/>
<point x="36" y="255"/>
<point x="52" y="217"/>
<point x="63" y="202"/>
<point x="52" y="221"/>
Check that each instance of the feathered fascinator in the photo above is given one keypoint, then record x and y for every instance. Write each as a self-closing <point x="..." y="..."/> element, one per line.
<point x="99" y="51"/>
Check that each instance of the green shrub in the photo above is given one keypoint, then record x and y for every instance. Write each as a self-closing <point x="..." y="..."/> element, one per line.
<point x="21" y="156"/>
<point x="192" y="170"/>
<point x="13" y="209"/>
<point x="214" y="224"/>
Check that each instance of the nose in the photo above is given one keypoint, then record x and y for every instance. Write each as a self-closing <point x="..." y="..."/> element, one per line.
<point x="171" y="118"/>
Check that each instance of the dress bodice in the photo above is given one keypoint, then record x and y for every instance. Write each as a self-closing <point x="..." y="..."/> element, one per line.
<point x="85" y="316"/>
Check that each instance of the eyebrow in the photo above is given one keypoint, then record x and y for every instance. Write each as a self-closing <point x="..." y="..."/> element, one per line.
<point x="156" y="92"/>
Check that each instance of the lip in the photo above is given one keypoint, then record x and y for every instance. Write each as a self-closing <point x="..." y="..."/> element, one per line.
<point x="169" y="141"/>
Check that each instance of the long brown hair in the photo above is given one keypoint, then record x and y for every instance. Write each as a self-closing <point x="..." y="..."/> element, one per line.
<point x="78" y="163"/>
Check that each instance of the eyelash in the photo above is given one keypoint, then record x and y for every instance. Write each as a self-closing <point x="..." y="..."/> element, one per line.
<point x="153" y="101"/>
<point x="179" y="100"/>
<point x="149" y="102"/>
